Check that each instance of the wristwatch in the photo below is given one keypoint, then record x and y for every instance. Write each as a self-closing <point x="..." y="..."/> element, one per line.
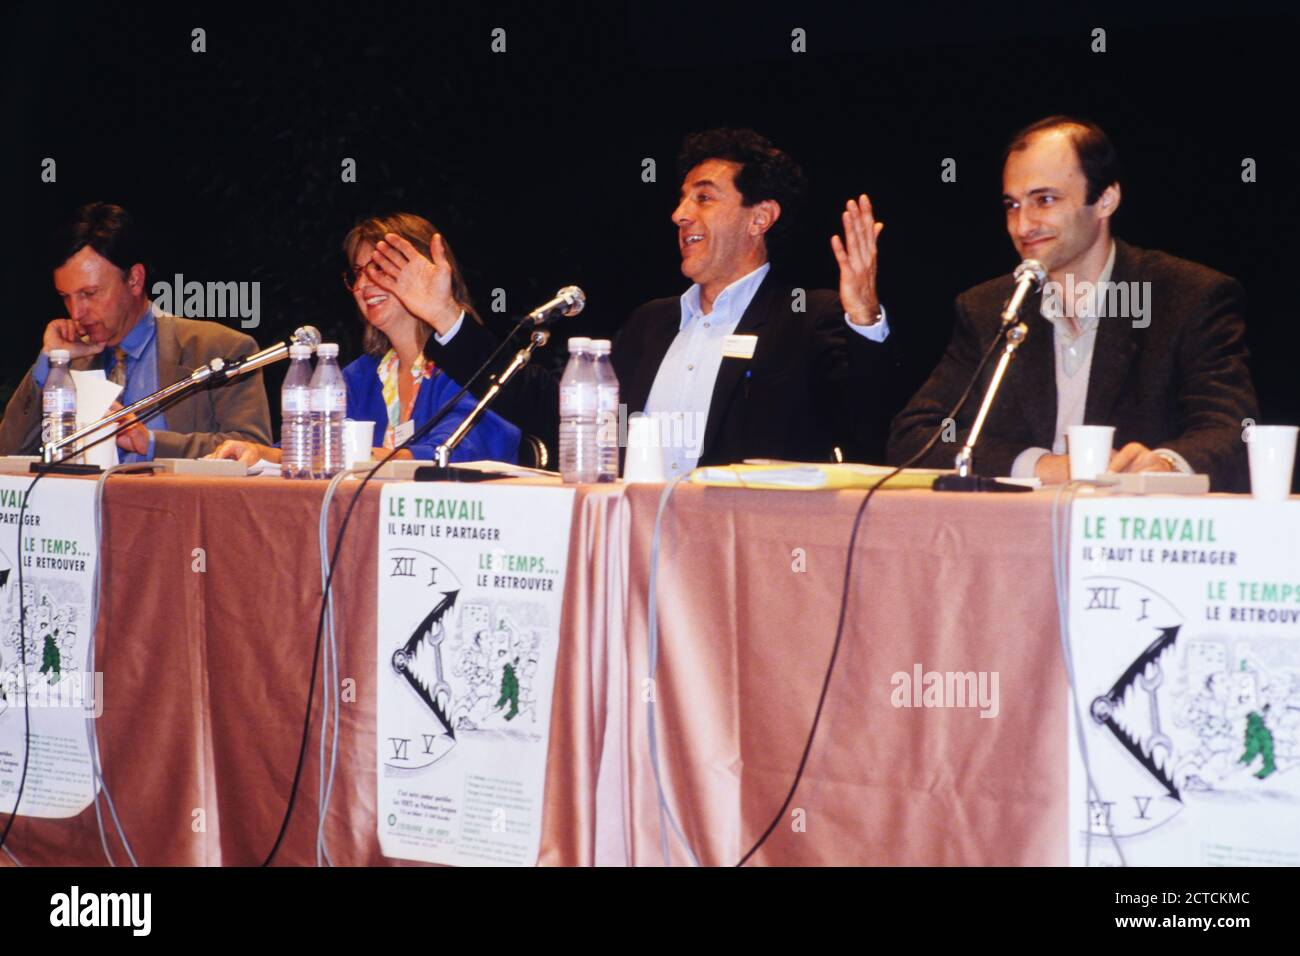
<point x="880" y="315"/>
<point x="1173" y="462"/>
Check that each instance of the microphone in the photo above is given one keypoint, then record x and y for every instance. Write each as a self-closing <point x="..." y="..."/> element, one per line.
<point x="1029" y="276"/>
<point x="569" y="301"/>
<point x="307" y="335"/>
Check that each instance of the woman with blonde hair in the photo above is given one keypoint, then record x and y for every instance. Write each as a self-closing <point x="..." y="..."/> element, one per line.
<point x="403" y="277"/>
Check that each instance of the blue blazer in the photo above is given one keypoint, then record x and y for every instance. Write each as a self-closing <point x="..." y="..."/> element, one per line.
<point x="492" y="438"/>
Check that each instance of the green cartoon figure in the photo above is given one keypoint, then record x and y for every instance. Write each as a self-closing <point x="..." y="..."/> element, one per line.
<point x="1259" y="741"/>
<point x="50" y="660"/>
<point x="510" y="693"/>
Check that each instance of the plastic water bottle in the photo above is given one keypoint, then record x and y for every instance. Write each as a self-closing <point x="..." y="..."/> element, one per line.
<point x="295" y="415"/>
<point x="606" y="411"/>
<point x="578" y="453"/>
<point x="59" y="401"/>
<point x="329" y="406"/>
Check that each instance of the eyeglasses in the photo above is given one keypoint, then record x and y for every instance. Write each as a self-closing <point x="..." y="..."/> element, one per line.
<point x="351" y="277"/>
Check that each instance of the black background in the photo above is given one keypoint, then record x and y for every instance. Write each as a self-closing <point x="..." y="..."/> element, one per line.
<point x="531" y="160"/>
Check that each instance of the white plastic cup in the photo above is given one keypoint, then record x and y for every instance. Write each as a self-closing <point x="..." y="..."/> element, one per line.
<point x="1089" y="447"/>
<point x="645" y="459"/>
<point x="1271" y="449"/>
<point x="358" y="442"/>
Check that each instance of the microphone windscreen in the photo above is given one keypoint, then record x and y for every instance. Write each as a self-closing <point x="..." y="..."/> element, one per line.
<point x="307" y="335"/>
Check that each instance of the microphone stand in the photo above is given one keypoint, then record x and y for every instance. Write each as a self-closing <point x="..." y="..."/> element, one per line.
<point x="441" y="470"/>
<point x="965" y="479"/>
<point x="216" y="372"/>
<point x="142" y="409"/>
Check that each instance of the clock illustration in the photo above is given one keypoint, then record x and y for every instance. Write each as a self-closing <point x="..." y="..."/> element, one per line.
<point x="429" y="591"/>
<point x="1123" y="640"/>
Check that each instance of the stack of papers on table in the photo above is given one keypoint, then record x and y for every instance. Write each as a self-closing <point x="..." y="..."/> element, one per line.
<point x="811" y="476"/>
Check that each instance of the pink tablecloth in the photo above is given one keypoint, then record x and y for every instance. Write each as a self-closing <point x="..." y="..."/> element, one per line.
<point x="207" y="671"/>
<point x="749" y="591"/>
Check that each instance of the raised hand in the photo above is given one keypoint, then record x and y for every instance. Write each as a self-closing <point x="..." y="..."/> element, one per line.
<point x="422" y="285"/>
<point x="856" y="254"/>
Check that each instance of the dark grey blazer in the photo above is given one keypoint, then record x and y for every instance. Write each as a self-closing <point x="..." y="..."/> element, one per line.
<point x="1180" y="383"/>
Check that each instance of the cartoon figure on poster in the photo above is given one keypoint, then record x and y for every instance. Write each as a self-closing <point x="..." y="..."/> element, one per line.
<point x="1242" y="703"/>
<point x="499" y="667"/>
<point x="50" y="628"/>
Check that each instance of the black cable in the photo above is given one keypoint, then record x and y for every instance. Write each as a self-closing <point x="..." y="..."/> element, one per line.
<point x="844" y="596"/>
<point x="334" y="564"/>
<point x="22" y="658"/>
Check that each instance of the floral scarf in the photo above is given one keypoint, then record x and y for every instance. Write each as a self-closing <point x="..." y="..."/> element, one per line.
<point x="388" y="379"/>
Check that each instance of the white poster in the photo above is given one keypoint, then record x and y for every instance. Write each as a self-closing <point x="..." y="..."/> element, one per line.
<point x="58" y="553"/>
<point x="471" y="579"/>
<point x="1184" y="619"/>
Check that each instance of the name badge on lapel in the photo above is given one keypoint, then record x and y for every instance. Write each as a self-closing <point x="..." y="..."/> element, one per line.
<point x="739" y="346"/>
<point x="403" y="431"/>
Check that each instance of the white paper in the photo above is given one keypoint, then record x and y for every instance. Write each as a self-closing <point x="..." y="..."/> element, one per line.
<point x="95" y="394"/>
<point x="1184" y="621"/>
<point x="471" y="579"/>
<point x="59" y="557"/>
<point x="506" y="468"/>
<point x="794" y="474"/>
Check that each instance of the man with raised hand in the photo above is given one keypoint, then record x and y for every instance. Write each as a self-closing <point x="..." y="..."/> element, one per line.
<point x="743" y="364"/>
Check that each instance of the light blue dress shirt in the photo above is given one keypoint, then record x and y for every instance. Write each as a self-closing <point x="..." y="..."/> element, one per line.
<point x="683" y="387"/>
<point x="141" y="347"/>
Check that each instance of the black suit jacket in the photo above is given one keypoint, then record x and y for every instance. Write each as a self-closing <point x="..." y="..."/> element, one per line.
<point x="811" y="385"/>
<point x="530" y="400"/>
<point x="1180" y="383"/>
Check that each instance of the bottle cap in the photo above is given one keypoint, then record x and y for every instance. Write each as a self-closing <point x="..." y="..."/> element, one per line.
<point x="327" y="350"/>
<point x="601" y="346"/>
<point x="579" y="343"/>
<point x="299" y="352"/>
<point x="60" y="355"/>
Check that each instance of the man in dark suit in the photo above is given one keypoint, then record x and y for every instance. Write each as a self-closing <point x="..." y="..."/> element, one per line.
<point x="100" y="274"/>
<point x="743" y="364"/>
<point x="1137" y="339"/>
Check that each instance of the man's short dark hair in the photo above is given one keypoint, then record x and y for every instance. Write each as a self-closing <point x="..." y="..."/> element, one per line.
<point x="766" y="172"/>
<point x="104" y="227"/>
<point x="1097" y="156"/>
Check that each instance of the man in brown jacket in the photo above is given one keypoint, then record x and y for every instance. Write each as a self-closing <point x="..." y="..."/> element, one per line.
<point x="113" y="325"/>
